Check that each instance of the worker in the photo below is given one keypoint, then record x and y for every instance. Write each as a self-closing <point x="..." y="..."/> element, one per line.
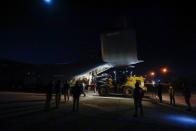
<point x="137" y="97"/>
<point x="159" y="92"/>
<point x="58" y="93"/>
<point x="66" y="91"/>
<point x="187" y="96"/>
<point x="171" y="91"/>
<point x="76" y="92"/>
<point x="49" y="89"/>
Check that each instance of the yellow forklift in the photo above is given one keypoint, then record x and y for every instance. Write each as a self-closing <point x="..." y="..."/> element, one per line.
<point x="108" y="86"/>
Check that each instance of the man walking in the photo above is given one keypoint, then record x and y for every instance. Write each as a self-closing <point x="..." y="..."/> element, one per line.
<point x="137" y="97"/>
<point x="58" y="93"/>
<point x="187" y="96"/>
<point x="49" y="89"/>
<point x="76" y="92"/>
<point x="171" y="94"/>
<point x="159" y="92"/>
<point x="66" y="91"/>
<point x="83" y="87"/>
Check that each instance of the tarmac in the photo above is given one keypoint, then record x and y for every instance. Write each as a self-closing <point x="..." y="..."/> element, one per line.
<point x="25" y="111"/>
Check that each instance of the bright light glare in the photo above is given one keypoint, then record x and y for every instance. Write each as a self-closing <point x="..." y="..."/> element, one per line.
<point x="182" y="119"/>
<point x="152" y="73"/>
<point x="48" y="1"/>
<point x="164" y="70"/>
<point x="153" y="82"/>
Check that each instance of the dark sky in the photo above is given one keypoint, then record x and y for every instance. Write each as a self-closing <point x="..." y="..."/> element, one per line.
<point x="65" y="31"/>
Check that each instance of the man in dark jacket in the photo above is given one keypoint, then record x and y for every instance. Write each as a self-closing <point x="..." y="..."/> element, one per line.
<point x="137" y="96"/>
<point x="159" y="92"/>
<point x="171" y="91"/>
<point x="49" y="89"/>
<point x="76" y="92"/>
<point x="187" y="96"/>
<point x="66" y="91"/>
<point x="58" y="93"/>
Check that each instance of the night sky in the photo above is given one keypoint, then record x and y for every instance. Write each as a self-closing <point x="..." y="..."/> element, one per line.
<point x="64" y="31"/>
